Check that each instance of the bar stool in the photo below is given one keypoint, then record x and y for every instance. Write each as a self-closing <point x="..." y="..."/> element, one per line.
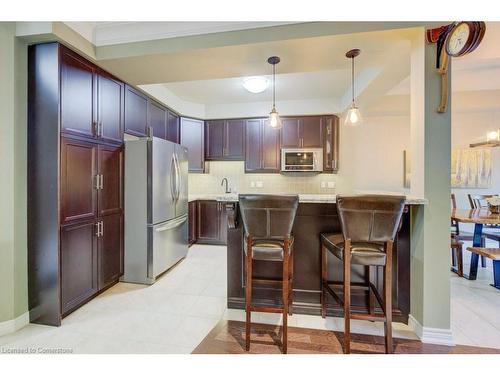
<point x="369" y="226"/>
<point x="268" y="222"/>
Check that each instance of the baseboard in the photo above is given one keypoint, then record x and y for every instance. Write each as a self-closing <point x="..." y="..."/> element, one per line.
<point x="431" y="335"/>
<point x="14" y="324"/>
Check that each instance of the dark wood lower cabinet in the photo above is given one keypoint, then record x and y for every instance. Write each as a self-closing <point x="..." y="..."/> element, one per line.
<point x="193" y="217"/>
<point x="110" y="250"/>
<point x="211" y="222"/>
<point x="78" y="264"/>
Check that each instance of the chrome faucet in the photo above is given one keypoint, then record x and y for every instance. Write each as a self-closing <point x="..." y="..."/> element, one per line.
<point x="222" y="184"/>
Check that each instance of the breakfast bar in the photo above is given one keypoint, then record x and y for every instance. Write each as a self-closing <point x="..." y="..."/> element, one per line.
<point x="316" y="214"/>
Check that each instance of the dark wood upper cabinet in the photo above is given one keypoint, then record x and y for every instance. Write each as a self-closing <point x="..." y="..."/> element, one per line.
<point x="110" y="96"/>
<point x="77" y="94"/>
<point x="192" y="137"/>
<point x="225" y="139"/>
<point x="136" y="112"/>
<point x="214" y="139"/>
<point x="262" y="147"/>
<point x="311" y="132"/>
<point x="157" y="120"/>
<point x="173" y="128"/>
<point x="271" y="155"/>
<point x="78" y="264"/>
<point x="234" y="139"/>
<point x="290" y="133"/>
<point x="331" y="137"/>
<point x="301" y="132"/>
<point x="110" y="250"/>
<point x="78" y="180"/>
<point x="253" y="149"/>
<point x="110" y="169"/>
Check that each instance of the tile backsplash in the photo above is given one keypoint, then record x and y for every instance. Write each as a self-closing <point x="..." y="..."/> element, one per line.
<point x="241" y="182"/>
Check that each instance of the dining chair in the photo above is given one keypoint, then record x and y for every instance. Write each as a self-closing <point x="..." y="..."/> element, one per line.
<point x="465" y="236"/>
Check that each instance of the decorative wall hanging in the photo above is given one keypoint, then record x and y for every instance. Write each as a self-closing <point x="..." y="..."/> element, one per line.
<point x="471" y="168"/>
<point x="455" y="40"/>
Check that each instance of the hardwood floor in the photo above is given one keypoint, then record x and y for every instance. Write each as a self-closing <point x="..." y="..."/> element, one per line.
<point x="228" y="337"/>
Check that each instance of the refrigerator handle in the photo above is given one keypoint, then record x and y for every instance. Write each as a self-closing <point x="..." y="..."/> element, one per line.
<point x="172" y="176"/>
<point x="178" y="178"/>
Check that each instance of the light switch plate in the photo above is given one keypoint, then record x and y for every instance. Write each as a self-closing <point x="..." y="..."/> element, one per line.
<point x="331" y="184"/>
<point x="323" y="184"/>
<point x="259" y="184"/>
<point x="252" y="184"/>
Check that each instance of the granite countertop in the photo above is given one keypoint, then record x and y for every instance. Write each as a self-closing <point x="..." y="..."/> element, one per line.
<point x="303" y="198"/>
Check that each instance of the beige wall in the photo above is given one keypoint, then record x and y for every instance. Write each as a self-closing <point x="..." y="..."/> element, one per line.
<point x="13" y="241"/>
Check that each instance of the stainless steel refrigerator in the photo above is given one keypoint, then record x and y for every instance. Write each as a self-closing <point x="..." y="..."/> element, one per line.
<point x="156" y="208"/>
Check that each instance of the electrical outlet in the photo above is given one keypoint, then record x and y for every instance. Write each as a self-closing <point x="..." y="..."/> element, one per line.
<point x="323" y="184"/>
<point x="252" y="184"/>
<point x="259" y="184"/>
<point x="331" y="184"/>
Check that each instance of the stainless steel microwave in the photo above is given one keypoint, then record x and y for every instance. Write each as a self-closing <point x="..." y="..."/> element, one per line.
<point x="302" y="160"/>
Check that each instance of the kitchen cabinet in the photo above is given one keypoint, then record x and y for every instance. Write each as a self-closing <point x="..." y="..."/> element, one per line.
<point x="78" y="180"/>
<point x="173" y="127"/>
<point x="301" y="132"/>
<point x="110" y="250"/>
<point x="262" y="147"/>
<point x="192" y="227"/>
<point x="77" y="95"/>
<point x="75" y="179"/>
<point x="192" y="137"/>
<point x="110" y="170"/>
<point x="208" y="221"/>
<point x="110" y="96"/>
<point x="212" y="222"/>
<point x="136" y="112"/>
<point x="157" y="123"/>
<point x="225" y="139"/>
<point x="91" y="100"/>
<point x="78" y="264"/>
<point x="331" y="136"/>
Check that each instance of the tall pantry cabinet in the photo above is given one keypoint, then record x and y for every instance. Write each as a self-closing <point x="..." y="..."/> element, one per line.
<point x="75" y="181"/>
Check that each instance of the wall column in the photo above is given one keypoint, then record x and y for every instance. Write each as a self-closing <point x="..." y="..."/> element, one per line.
<point x="431" y="154"/>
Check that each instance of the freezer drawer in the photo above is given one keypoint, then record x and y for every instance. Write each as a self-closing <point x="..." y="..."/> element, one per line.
<point x="167" y="244"/>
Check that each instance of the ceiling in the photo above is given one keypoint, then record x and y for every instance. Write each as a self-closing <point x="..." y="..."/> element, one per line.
<point x="107" y="33"/>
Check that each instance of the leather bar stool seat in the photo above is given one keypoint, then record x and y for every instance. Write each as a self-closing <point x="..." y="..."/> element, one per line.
<point x="364" y="253"/>
<point x="268" y="222"/>
<point x="269" y="249"/>
<point x="369" y="226"/>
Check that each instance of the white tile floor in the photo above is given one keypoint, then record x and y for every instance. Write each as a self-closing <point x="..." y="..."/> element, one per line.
<point x="475" y="306"/>
<point x="177" y="312"/>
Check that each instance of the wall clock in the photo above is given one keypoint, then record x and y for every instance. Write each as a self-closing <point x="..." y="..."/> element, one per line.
<point x="463" y="38"/>
<point x="453" y="40"/>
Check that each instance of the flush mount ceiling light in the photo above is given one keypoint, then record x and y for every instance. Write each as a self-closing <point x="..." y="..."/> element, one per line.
<point x="353" y="116"/>
<point x="274" y="117"/>
<point x="256" y="85"/>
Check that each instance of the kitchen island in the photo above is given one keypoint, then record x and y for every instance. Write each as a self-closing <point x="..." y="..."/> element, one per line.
<point x="316" y="214"/>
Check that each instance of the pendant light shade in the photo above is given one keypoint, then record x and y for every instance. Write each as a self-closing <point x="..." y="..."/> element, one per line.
<point x="274" y="117"/>
<point x="353" y="116"/>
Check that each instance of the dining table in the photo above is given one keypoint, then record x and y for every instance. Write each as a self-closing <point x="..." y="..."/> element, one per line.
<point x="479" y="217"/>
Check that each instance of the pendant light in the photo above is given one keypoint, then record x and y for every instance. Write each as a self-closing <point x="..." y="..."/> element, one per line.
<point x="274" y="117"/>
<point x="353" y="116"/>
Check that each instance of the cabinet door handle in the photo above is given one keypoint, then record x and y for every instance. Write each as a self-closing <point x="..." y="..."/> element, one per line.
<point x="97" y="182"/>
<point x="99" y="128"/>
<point x="95" y="129"/>
<point x="97" y="229"/>
<point x="101" y="183"/>
<point x="102" y="228"/>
